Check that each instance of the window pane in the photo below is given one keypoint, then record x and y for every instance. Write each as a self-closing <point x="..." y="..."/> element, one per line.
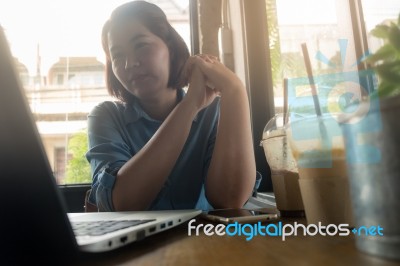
<point x="324" y="25"/>
<point x="58" y="53"/>
<point x="378" y="12"/>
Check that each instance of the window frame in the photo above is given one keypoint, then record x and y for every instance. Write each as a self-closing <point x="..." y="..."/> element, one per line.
<point x="259" y="74"/>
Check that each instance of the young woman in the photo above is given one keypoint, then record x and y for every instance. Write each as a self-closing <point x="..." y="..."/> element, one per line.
<point x="159" y="148"/>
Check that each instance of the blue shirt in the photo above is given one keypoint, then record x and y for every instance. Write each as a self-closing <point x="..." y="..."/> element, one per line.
<point x="117" y="131"/>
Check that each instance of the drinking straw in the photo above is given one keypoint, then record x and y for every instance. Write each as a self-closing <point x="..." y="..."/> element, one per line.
<point x="311" y="79"/>
<point x="285" y="100"/>
<point x="322" y="128"/>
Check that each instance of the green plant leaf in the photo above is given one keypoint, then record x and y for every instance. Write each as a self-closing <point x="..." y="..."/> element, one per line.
<point x="385" y="53"/>
<point x="387" y="90"/>
<point x="394" y="36"/>
<point x="381" y="31"/>
<point x="389" y="72"/>
<point x="384" y="89"/>
<point x="387" y="60"/>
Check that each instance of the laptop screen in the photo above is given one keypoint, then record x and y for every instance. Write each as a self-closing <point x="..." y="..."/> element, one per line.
<point x="33" y="221"/>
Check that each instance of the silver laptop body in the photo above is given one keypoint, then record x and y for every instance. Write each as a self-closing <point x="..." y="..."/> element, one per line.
<point x="158" y="221"/>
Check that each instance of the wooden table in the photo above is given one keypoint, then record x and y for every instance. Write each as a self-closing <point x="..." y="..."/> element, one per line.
<point x="175" y="247"/>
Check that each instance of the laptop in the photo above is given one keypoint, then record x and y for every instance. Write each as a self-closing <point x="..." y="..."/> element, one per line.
<point x="34" y="224"/>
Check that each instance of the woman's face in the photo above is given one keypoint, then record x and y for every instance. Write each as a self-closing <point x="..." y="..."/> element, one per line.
<point x="140" y="59"/>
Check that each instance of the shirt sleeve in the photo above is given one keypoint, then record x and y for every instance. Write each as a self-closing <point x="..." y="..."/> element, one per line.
<point x="108" y="152"/>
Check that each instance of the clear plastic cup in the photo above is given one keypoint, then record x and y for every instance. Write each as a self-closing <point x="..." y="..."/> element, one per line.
<point x="318" y="148"/>
<point x="284" y="172"/>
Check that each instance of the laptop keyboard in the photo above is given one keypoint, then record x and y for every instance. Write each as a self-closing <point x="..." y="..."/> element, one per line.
<point x="98" y="228"/>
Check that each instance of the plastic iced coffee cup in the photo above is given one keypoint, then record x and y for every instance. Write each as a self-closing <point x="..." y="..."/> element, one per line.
<point x="284" y="173"/>
<point x="318" y="148"/>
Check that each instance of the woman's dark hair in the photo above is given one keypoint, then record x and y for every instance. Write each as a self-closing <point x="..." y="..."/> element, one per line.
<point x="155" y="20"/>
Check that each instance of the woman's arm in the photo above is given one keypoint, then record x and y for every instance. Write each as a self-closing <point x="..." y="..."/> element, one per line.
<point x="232" y="171"/>
<point x="140" y="179"/>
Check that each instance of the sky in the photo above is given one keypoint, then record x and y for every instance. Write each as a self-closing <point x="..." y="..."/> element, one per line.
<point x="61" y="27"/>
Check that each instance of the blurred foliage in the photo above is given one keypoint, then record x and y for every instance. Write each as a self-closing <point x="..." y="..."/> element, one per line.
<point x="78" y="168"/>
<point x="274" y="41"/>
<point x="386" y="60"/>
<point x="283" y="65"/>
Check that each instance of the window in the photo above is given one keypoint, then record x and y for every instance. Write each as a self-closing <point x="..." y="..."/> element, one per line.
<point x="326" y="27"/>
<point x="330" y="30"/>
<point x="60" y="60"/>
<point x="59" y="164"/>
<point x="323" y="25"/>
<point x="60" y="79"/>
<point x="378" y="12"/>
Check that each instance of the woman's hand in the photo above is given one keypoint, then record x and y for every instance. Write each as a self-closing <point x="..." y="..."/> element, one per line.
<point x="199" y="94"/>
<point x="216" y="75"/>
